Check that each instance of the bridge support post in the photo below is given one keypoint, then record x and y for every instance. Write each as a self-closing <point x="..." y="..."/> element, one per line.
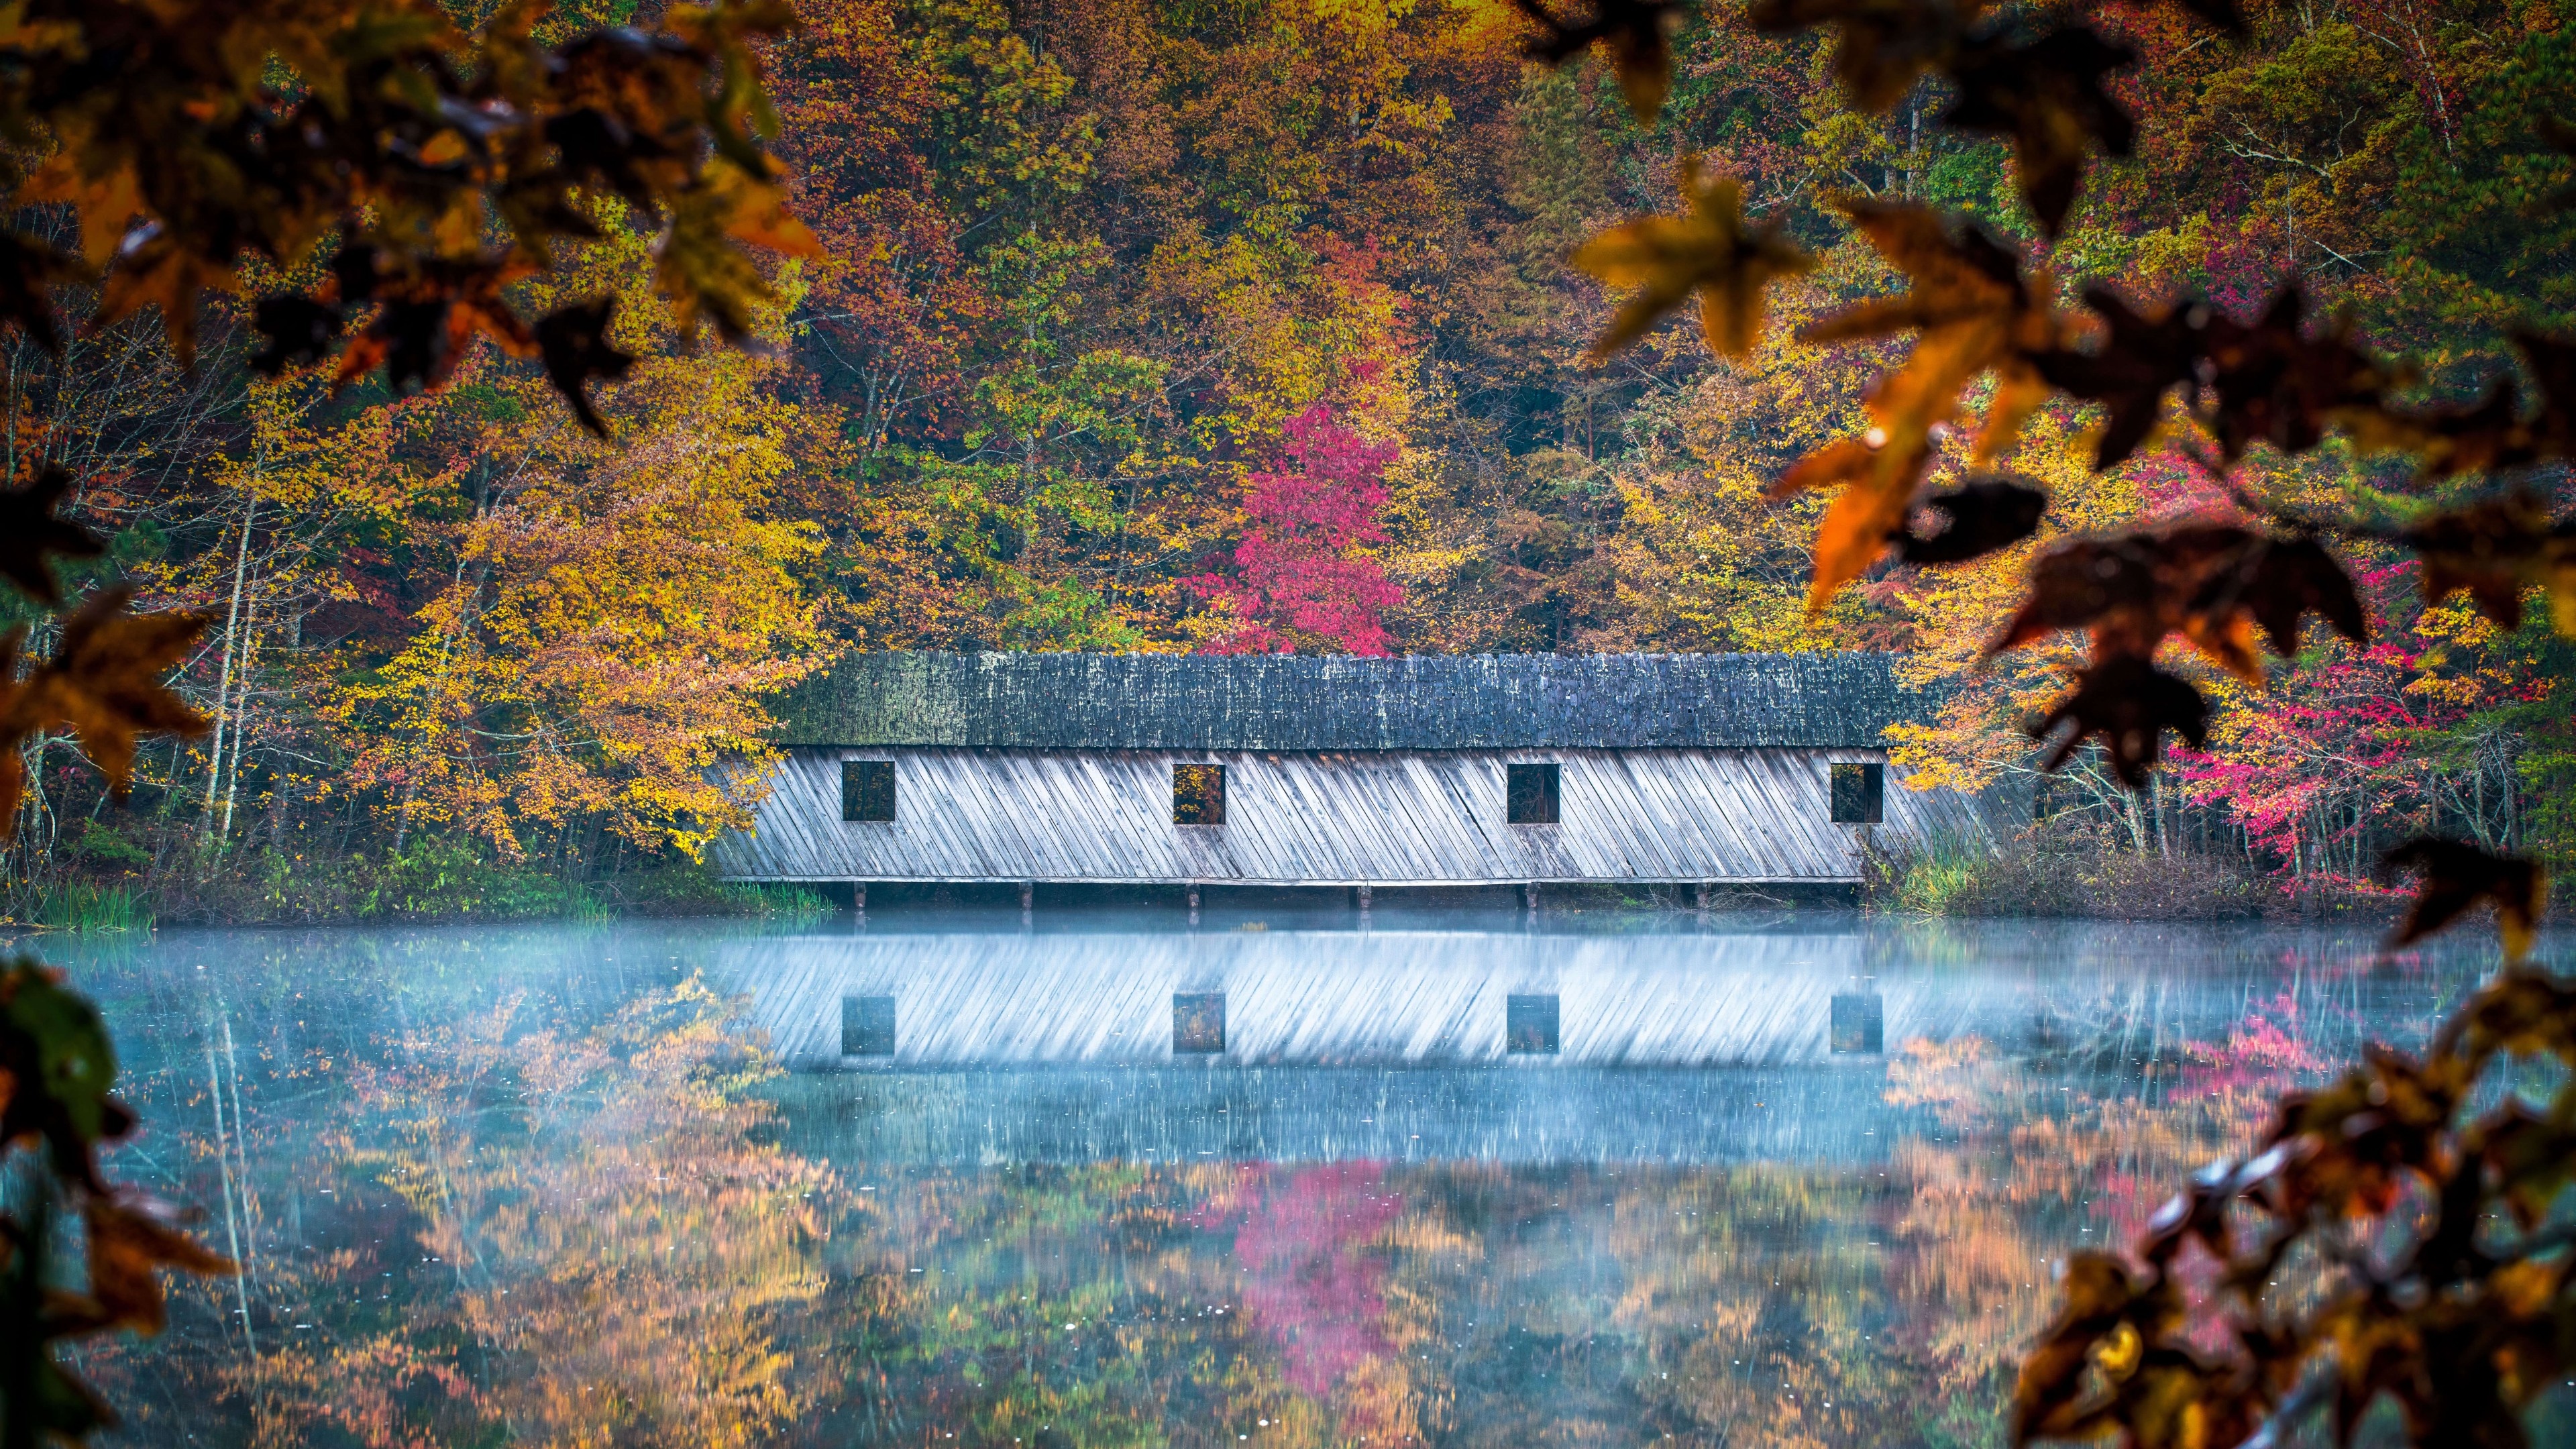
<point x="1194" y="903"/>
<point x="1028" y="899"/>
<point x="859" y="899"/>
<point x="1529" y="896"/>
<point x="1700" y="892"/>
<point x="1361" y="894"/>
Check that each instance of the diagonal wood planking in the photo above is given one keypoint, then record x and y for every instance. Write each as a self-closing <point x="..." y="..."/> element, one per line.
<point x="1376" y="817"/>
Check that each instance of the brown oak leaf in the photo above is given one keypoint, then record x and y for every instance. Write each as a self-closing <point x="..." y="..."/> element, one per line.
<point x="161" y="272"/>
<point x="1708" y="250"/>
<point x="2452" y="877"/>
<point x="104" y="683"/>
<point x="427" y="322"/>
<point x="1984" y="515"/>
<point x="2491" y="435"/>
<point x="2130" y="704"/>
<point x="299" y="329"/>
<point x="574" y="342"/>
<point x="1637" y="33"/>
<point x="1882" y="47"/>
<point x="2101" y="1296"/>
<point x="2272" y="383"/>
<point x="2216" y="585"/>
<point x="2496" y="549"/>
<point x="29" y="531"/>
<point x="132" y="1237"/>
<point x="2046" y="97"/>
<point x="1973" y="313"/>
<point x="2142" y="357"/>
<point x="1879" y="478"/>
<point x="2279" y="581"/>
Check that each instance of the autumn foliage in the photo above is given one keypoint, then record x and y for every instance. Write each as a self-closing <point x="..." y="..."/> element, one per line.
<point x="1300" y="575"/>
<point x="2086" y="354"/>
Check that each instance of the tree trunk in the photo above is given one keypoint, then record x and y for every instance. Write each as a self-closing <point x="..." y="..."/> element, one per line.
<point x="224" y="677"/>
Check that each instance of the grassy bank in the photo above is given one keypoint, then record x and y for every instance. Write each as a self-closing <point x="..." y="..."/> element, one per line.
<point x="432" y="880"/>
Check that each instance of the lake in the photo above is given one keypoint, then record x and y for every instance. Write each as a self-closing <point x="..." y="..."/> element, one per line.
<point x="1793" y="1179"/>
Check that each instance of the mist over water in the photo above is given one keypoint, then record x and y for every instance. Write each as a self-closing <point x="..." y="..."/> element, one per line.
<point x="1454" y="1177"/>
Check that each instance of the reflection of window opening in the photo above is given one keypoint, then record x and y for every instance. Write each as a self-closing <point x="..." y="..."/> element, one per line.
<point x="867" y="1026"/>
<point x="1198" y="1023"/>
<point x="1198" y="794"/>
<point x="1529" y="1024"/>
<point x="1860" y="794"/>
<point x="867" y="789"/>
<point x="1859" y="1024"/>
<point x="1529" y="794"/>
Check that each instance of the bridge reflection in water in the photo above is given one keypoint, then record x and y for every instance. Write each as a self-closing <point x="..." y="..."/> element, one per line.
<point x="1332" y="998"/>
<point x="975" y="1048"/>
<point x="513" y="1160"/>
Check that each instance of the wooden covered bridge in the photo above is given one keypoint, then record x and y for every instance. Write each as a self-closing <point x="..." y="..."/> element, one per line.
<point x="1191" y="770"/>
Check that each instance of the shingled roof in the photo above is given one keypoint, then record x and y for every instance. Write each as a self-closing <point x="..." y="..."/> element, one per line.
<point x="1292" y="702"/>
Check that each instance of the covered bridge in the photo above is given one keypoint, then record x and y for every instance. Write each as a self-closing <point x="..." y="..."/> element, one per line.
<point x="1283" y="770"/>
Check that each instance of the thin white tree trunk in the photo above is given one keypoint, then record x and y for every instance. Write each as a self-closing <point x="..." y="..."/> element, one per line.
<point x="224" y="678"/>
<point x="241" y="725"/>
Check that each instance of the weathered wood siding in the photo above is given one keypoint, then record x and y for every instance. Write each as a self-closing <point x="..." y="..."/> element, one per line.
<point x="1394" y="817"/>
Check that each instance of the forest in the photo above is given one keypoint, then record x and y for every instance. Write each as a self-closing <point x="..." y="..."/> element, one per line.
<point x="441" y="432"/>
<point x="1237" y="326"/>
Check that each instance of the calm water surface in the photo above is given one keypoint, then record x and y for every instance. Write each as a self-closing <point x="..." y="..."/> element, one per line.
<point x="946" y="1181"/>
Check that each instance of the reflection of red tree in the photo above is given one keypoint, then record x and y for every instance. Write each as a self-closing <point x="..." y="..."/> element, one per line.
<point x="1310" y="1282"/>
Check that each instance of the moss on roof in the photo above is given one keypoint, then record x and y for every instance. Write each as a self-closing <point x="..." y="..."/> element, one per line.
<point x="1289" y="702"/>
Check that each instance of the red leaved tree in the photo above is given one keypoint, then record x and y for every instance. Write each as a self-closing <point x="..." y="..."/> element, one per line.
<point x="1301" y="579"/>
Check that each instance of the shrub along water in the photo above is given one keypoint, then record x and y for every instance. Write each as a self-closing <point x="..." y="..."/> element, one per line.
<point x="2069" y="868"/>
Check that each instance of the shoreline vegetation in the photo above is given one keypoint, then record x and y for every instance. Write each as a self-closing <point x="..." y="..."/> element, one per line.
<point x="437" y="880"/>
<point x="2070" y="868"/>
<point x="2079" y="870"/>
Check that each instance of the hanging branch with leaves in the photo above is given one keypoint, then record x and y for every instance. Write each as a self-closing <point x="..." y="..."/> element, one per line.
<point x="401" y="176"/>
<point x="438" y="167"/>
<point x="1981" y="313"/>
<point x="2383" y="1241"/>
<point x="2430" y="1258"/>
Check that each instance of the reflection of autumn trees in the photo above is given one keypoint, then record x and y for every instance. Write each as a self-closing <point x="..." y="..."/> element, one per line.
<point x="538" y="1236"/>
<point x="2026" y="1162"/>
<point x="1881" y="1302"/>
<point x="517" y="1229"/>
<point x="1099" y="1305"/>
<point x="1355" y="1303"/>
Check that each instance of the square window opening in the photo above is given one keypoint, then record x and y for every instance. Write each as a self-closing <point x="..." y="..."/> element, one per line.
<point x="867" y="1026"/>
<point x="1860" y="794"/>
<point x="867" y="789"/>
<point x="1529" y="1025"/>
<point x="1530" y="794"/>
<point x="1198" y="1023"/>
<point x="1858" y="1024"/>
<point x="1198" y="794"/>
